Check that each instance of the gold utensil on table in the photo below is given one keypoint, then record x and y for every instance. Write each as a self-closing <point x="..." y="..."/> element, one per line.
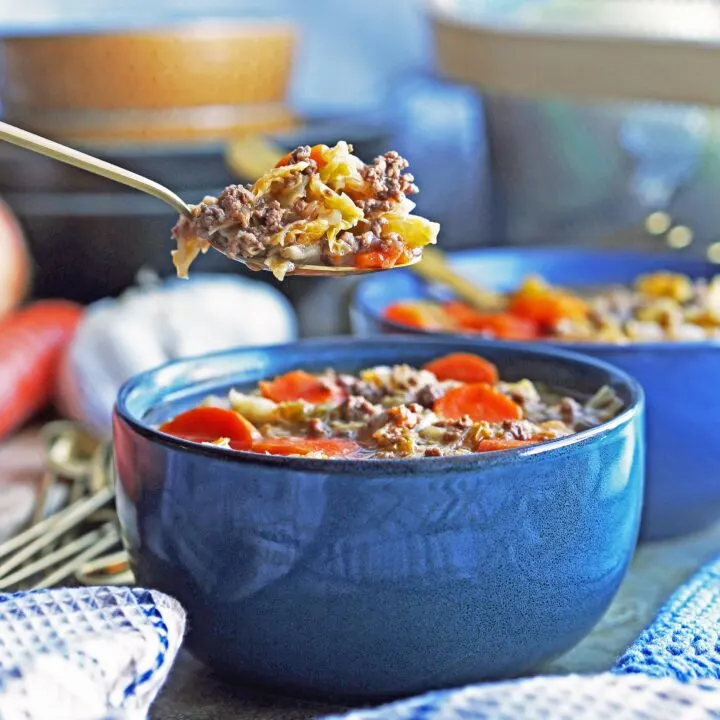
<point x="71" y="544"/>
<point x="56" y="151"/>
<point x="435" y="268"/>
<point x="251" y="155"/>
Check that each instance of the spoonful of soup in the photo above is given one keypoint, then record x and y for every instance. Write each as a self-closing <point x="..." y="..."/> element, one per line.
<point x="319" y="211"/>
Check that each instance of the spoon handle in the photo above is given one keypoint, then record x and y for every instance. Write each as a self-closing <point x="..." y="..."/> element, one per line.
<point x="435" y="268"/>
<point x="56" y="151"/>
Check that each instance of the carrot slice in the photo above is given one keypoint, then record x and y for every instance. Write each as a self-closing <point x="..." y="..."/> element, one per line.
<point x="379" y="259"/>
<point x="502" y="325"/>
<point x="548" y="309"/>
<point x="464" y="367"/>
<point x="478" y="400"/>
<point x="300" y="385"/>
<point x="459" y="311"/>
<point x="510" y="327"/>
<point x="316" y="153"/>
<point x="493" y="444"/>
<point x="412" y="315"/>
<point x="207" y="424"/>
<point x="332" y="447"/>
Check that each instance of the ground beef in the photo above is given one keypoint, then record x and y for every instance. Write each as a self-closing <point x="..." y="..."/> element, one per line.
<point x="317" y="428"/>
<point x="518" y="429"/>
<point x="454" y="429"/>
<point x="452" y="435"/>
<point x="570" y="411"/>
<point x="462" y="423"/>
<point x="388" y="183"/>
<point x="354" y="386"/>
<point x="256" y="225"/>
<point x="429" y="394"/>
<point x="209" y="216"/>
<point x="244" y="244"/>
<point x="231" y="206"/>
<point x="357" y="409"/>
<point x="250" y="223"/>
<point x="433" y="452"/>
<point x="304" y="210"/>
<point x="302" y="154"/>
<point x="235" y="201"/>
<point x="404" y="416"/>
<point x="369" y="234"/>
<point x="270" y="217"/>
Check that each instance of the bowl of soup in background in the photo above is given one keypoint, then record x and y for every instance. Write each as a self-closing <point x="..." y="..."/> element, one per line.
<point x="376" y="578"/>
<point x="683" y="400"/>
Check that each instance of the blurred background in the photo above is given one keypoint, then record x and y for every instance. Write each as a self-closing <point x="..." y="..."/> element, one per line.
<point x="586" y="123"/>
<point x="494" y="168"/>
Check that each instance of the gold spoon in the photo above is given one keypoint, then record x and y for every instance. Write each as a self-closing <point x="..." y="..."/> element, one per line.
<point x="435" y="268"/>
<point x="56" y="151"/>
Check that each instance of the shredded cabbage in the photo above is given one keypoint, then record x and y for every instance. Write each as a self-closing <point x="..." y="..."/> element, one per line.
<point x="264" y="185"/>
<point x="300" y="232"/>
<point x="279" y="266"/>
<point x="188" y="248"/>
<point x="349" y="213"/>
<point x="342" y="168"/>
<point x="255" y="408"/>
<point x="415" y="231"/>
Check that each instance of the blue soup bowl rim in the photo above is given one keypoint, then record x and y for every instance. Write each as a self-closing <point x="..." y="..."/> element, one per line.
<point x="691" y="265"/>
<point x="145" y="386"/>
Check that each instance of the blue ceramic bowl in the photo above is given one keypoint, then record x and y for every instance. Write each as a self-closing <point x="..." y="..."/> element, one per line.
<point x="378" y="578"/>
<point x="682" y="492"/>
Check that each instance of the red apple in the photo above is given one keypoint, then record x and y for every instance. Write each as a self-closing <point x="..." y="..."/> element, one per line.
<point x="15" y="263"/>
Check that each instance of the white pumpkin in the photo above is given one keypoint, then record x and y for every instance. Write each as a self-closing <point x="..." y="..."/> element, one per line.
<point x="147" y="326"/>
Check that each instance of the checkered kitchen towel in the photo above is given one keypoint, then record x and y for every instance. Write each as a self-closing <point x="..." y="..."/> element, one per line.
<point x="85" y="653"/>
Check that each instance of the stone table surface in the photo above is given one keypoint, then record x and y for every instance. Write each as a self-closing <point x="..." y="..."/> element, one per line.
<point x="194" y="693"/>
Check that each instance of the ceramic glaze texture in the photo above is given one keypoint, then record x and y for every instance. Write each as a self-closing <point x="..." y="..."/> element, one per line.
<point x="683" y="398"/>
<point x="378" y="578"/>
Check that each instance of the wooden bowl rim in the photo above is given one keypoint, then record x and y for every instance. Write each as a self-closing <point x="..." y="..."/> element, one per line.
<point x="205" y="29"/>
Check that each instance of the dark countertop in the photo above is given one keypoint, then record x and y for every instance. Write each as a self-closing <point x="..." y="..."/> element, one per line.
<point x="194" y="693"/>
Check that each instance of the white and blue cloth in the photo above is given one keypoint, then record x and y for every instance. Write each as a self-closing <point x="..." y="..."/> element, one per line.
<point x="85" y="653"/>
<point x="104" y="653"/>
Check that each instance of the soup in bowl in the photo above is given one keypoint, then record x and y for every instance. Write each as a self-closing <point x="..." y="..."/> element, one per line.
<point x="362" y="565"/>
<point x="650" y="315"/>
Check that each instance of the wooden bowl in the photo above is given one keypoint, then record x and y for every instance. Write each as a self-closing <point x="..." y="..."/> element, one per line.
<point x="176" y="125"/>
<point x="189" y="66"/>
<point x="657" y="50"/>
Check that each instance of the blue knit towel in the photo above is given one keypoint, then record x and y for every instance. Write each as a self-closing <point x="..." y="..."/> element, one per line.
<point x="684" y="640"/>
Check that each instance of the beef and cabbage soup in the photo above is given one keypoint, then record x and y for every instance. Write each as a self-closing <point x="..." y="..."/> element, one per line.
<point x="454" y="405"/>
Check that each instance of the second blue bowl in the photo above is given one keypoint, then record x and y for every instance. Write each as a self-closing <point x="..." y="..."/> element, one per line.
<point x="682" y="490"/>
